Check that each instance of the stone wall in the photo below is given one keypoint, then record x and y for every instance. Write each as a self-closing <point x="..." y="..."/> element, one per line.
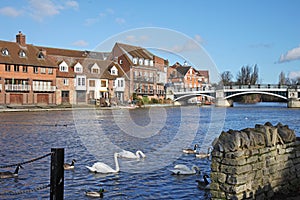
<point x="255" y="163"/>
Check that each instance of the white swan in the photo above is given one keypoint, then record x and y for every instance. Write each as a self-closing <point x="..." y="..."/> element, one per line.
<point x="185" y="170"/>
<point x="191" y="151"/>
<point x="128" y="154"/>
<point x="100" y="167"/>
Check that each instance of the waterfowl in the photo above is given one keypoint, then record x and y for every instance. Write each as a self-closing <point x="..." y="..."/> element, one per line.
<point x="95" y="193"/>
<point x="8" y="174"/>
<point x="70" y="166"/>
<point x="204" y="155"/>
<point x="190" y="151"/>
<point x="204" y="184"/>
<point x="185" y="170"/>
<point x="128" y="154"/>
<point x="100" y="167"/>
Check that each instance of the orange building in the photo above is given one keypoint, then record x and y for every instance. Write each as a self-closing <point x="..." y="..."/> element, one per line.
<point x="27" y="75"/>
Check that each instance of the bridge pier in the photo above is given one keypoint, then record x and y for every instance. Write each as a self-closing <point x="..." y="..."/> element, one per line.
<point x="293" y="101"/>
<point x="220" y="101"/>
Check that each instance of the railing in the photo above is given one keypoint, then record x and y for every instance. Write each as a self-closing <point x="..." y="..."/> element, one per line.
<point x="144" y="79"/>
<point x="14" y="87"/>
<point x="258" y="86"/>
<point x="42" y="88"/>
<point x="196" y="89"/>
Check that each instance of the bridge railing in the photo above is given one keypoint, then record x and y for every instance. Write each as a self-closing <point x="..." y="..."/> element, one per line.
<point x="258" y="86"/>
<point x="196" y="89"/>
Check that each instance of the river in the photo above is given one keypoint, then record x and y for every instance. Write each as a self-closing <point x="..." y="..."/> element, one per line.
<point x="94" y="135"/>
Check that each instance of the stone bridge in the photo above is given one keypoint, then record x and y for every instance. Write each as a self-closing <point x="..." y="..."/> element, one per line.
<point x="223" y="96"/>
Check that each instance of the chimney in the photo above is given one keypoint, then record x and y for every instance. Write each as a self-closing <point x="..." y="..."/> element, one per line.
<point x="21" y="39"/>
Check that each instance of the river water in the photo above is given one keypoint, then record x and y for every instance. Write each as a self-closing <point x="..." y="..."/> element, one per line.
<point x="94" y="135"/>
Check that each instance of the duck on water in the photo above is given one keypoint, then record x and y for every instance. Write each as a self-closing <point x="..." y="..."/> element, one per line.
<point x="8" y="174"/>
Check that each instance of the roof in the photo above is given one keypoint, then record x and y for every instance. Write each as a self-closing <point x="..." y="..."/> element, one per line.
<point x="31" y="55"/>
<point x="75" y="53"/>
<point x="135" y="51"/>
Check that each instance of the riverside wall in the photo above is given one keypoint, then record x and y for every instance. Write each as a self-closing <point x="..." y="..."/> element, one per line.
<point x="255" y="163"/>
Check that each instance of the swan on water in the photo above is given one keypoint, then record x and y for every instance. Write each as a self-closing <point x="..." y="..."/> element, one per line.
<point x="100" y="167"/>
<point x="8" y="174"/>
<point x="129" y="154"/>
<point x="95" y="193"/>
<point x="68" y="166"/>
<point x="191" y="151"/>
<point x="185" y="170"/>
<point x="205" y="155"/>
<point x="204" y="184"/>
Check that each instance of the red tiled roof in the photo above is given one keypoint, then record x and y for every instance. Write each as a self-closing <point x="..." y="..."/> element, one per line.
<point x="31" y="55"/>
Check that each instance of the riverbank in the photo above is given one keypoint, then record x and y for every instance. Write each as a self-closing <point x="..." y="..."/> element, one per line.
<point x="32" y="108"/>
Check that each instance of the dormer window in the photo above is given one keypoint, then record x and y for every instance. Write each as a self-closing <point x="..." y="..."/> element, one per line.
<point x="141" y="61"/>
<point x="114" y="71"/>
<point x="22" y="54"/>
<point x="41" y="55"/>
<point x="5" y="52"/>
<point x="63" y="67"/>
<point x="78" y="68"/>
<point x="135" y="60"/>
<point x="95" y="69"/>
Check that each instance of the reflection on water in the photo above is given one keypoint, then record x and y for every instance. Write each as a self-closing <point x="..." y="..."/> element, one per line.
<point x="29" y="135"/>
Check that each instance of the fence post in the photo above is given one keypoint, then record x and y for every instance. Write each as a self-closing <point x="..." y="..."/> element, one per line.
<point x="57" y="174"/>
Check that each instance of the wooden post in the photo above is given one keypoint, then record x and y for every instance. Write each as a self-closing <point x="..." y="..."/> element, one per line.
<point x="57" y="174"/>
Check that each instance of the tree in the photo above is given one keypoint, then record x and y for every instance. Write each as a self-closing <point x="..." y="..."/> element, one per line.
<point x="247" y="75"/>
<point x="282" y="78"/>
<point x="226" y="78"/>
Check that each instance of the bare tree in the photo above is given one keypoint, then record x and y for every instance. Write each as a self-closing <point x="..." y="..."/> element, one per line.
<point x="246" y="76"/>
<point x="226" y="78"/>
<point x="282" y="78"/>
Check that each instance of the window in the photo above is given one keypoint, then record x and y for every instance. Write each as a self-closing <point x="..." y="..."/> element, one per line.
<point x="120" y="62"/>
<point x="95" y="71"/>
<point x="16" y="68"/>
<point x="63" y="68"/>
<point x="5" y="52"/>
<point x="66" y="81"/>
<point x="43" y="70"/>
<point x="22" y="54"/>
<point x="7" y="68"/>
<point x="41" y="55"/>
<point x="103" y="83"/>
<point x="151" y="62"/>
<point x="78" y="69"/>
<point x="35" y="70"/>
<point x="83" y="81"/>
<point x="25" y="69"/>
<point x="92" y="83"/>
<point x="134" y="60"/>
<point x="114" y="71"/>
<point x="141" y="61"/>
<point x="50" y="71"/>
<point x="146" y="62"/>
<point x="120" y="83"/>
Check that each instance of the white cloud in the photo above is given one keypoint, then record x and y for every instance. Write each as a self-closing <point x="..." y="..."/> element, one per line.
<point x="294" y="75"/>
<point x="41" y="9"/>
<point x="120" y="21"/>
<point x="72" y="4"/>
<point x="199" y="39"/>
<point x="10" y="12"/>
<point x="135" y="39"/>
<point x="80" y="43"/>
<point x="101" y="15"/>
<point x="293" y="54"/>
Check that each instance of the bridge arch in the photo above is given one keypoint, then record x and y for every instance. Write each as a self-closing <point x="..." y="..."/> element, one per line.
<point x="255" y="92"/>
<point x="189" y="96"/>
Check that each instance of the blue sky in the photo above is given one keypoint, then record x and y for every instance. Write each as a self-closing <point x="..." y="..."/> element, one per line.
<point x="233" y="33"/>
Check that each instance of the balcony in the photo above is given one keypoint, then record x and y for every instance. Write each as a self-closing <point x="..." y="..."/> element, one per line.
<point x="144" y="79"/>
<point x="43" y="88"/>
<point x="17" y="87"/>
